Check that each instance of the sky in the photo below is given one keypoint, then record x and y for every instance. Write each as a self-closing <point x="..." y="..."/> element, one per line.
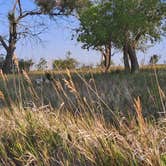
<point x="56" y="41"/>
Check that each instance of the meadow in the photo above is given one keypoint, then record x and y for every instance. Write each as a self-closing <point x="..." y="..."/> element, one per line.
<point x="84" y="117"/>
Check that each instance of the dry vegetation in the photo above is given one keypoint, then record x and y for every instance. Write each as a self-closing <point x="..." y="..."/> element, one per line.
<point x="83" y="119"/>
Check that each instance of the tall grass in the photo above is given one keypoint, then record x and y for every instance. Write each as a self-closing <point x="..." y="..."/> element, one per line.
<point x="81" y="130"/>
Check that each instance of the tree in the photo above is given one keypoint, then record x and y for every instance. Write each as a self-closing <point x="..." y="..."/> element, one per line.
<point x="154" y="59"/>
<point x="42" y="65"/>
<point x="25" y="64"/>
<point x="124" y="24"/>
<point x="142" y="22"/>
<point x="67" y="63"/>
<point x="94" y="32"/>
<point x="18" y="29"/>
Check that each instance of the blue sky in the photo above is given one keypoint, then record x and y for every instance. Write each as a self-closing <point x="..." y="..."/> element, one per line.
<point x="57" y="41"/>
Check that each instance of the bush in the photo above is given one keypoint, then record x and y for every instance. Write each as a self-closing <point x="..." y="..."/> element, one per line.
<point x="68" y="63"/>
<point x="25" y="64"/>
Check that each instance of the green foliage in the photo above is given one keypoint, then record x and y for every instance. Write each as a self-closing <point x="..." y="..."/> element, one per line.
<point x="68" y="63"/>
<point x="42" y="65"/>
<point x="119" y="21"/>
<point x="163" y="158"/>
<point x="25" y="64"/>
<point x="95" y="30"/>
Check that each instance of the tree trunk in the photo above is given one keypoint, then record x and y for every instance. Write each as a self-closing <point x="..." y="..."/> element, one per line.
<point x="133" y="58"/>
<point x="126" y="59"/>
<point x="8" y="64"/>
<point x="107" y="59"/>
<point x="103" y="60"/>
<point x="106" y="56"/>
<point x="107" y="62"/>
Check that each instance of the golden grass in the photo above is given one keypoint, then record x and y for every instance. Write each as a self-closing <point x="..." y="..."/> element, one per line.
<point x="77" y="131"/>
<point x="60" y="138"/>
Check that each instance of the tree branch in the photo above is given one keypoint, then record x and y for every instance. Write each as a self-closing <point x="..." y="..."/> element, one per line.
<point x="138" y="36"/>
<point x="31" y="13"/>
<point x="3" y="43"/>
<point x="14" y="6"/>
<point x="20" y="7"/>
<point x="39" y="12"/>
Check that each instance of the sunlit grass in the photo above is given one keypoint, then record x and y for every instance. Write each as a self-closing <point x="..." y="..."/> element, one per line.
<point x="83" y="127"/>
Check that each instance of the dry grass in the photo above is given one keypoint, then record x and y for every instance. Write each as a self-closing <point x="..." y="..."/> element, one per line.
<point x="82" y="130"/>
<point x="59" y="138"/>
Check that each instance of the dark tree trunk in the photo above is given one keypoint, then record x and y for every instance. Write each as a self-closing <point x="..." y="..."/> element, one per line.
<point x="8" y="64"/>
<point x="133" y="58"/>
<point x="126" y="59"/>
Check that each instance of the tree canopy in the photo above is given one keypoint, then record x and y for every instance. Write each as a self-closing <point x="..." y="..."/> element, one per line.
<point x="129" y="22"/>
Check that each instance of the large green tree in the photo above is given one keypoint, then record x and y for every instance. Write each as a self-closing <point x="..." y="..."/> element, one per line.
<point x="97" y="31"/>
<point x="139" y="21"/>
<point x="124" y="24"/>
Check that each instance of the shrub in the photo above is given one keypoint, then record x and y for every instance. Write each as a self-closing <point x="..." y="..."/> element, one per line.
<point x="68" y="63"/>
<point x="25" y="64"/>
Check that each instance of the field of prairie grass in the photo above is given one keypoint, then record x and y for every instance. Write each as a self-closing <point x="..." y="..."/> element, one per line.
<point x="83" y="118"/>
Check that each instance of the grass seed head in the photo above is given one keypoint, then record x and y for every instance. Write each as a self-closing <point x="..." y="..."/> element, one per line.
<point x="26" y="77"/>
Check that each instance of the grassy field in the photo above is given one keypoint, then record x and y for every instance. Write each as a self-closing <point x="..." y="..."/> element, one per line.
<point x="84" y="118"/>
